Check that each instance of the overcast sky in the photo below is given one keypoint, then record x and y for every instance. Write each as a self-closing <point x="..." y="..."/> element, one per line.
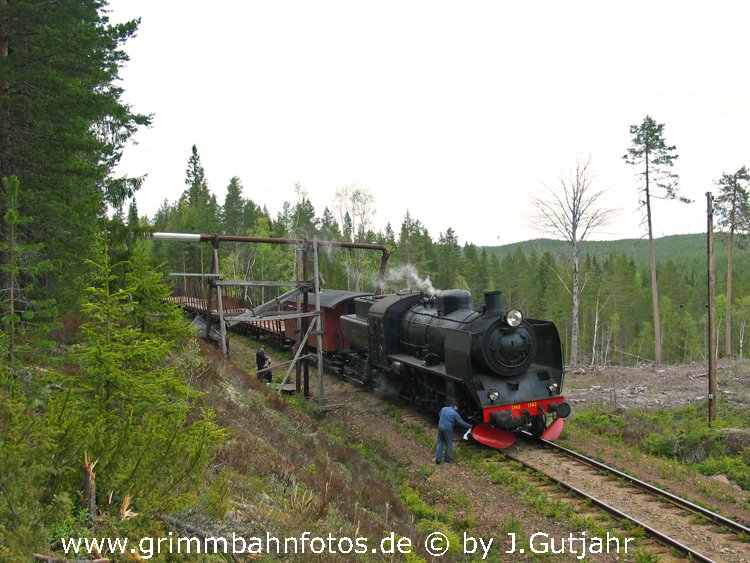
<point x="454" y="111"/>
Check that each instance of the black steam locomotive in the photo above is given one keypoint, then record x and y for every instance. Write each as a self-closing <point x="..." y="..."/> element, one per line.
<point x="505" y="372"/>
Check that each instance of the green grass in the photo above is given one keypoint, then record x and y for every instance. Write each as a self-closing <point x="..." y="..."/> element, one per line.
<point x="681" y="435"/>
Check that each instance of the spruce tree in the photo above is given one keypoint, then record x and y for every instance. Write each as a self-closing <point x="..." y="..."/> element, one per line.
<point x="233" y="211"/>
<point x="450" y="266"/>
<point x="64" y="125"/>
<point x="21" y="267"/>
<point x="198" y="206"/>
<point x="130" y="406"/>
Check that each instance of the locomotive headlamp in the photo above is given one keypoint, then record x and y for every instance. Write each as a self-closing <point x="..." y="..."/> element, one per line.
<point x="493" y="395"/>
<point x="552" y="387"/>
<point x="514" y="318"/>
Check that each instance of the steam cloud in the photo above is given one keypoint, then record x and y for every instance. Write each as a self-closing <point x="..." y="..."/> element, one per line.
<point x="406" y="277"/>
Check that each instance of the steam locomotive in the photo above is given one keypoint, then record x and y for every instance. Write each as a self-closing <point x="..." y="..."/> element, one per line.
<point x="504" y="371"/>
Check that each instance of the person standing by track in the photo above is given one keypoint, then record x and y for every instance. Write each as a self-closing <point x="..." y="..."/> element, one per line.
<point x="263" y="362"/>
<point x="449" y="417"/>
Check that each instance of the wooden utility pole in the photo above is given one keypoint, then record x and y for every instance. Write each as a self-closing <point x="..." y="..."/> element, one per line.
<point x="712" y="343"/>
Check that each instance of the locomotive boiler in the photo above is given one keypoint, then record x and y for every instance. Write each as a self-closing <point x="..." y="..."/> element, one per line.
<point x="503" y="370"/>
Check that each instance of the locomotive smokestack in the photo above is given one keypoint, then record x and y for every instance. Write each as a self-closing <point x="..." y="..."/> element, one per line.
<point x="493" y="302"/>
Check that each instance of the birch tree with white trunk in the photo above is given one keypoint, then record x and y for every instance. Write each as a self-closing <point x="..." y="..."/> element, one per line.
<point x="573" y="210"/>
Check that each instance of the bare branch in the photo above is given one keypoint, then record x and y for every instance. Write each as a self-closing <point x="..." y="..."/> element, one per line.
<point x="559" y="277"/>
<point x="573" y="212"/>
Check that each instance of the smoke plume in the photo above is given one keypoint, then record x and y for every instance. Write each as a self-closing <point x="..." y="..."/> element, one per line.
<point x="406" y="277"/>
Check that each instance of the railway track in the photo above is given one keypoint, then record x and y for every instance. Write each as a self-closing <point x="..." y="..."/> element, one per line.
<point x="680" y="526"/>
<point x="675" y="528"/>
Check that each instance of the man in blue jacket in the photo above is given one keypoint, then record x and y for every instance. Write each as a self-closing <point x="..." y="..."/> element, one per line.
<point x="449" y="417"/>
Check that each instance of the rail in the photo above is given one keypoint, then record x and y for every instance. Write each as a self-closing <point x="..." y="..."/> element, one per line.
<point x="709" y="518"/>
<point x="715" y="518"/>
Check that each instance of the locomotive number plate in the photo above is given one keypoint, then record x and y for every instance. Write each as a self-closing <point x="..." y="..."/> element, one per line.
<point x="525" y="405"/>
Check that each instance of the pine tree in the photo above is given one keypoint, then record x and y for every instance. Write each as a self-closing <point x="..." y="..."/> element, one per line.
<point x="135" y="229"/>
<point x="471" y="262"/>
<point x="654" y="160"/>
<point x="389" y="237"/>
<point x="732" y="207"/>
<point x="30" y="456"/>
<point x="621" y="291"/>
<point x="483" y="273"/>
<point x="197" y="211"/>
<point x="508" y="278"/>
<point x="284" y="223"/>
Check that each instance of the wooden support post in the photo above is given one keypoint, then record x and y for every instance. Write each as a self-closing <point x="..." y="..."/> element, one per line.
<point x="301" y="325"/>
<point x="297" y="355"/>
<point x="712" y="341"/>
<point x="319" y="347"/>
<point x="305" y="302"/>
<point x="209" y="317"/>
<point x="219" y="302"/>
